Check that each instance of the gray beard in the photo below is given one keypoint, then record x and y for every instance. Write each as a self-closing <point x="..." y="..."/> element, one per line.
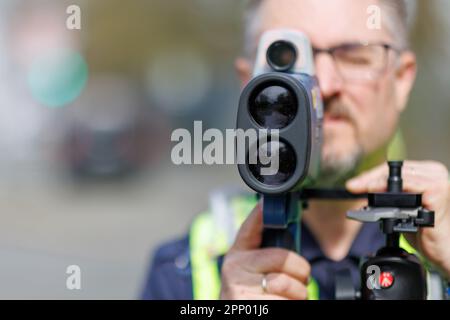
<point x="335" y="170"/>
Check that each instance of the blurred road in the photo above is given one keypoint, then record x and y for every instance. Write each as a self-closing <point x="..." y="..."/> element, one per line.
<point x="108" y="229"/>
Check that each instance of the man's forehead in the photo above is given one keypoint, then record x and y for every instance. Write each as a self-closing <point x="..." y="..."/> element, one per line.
<point x="326" y="22"/>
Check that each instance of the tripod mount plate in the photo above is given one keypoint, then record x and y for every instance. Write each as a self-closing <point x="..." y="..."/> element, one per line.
<point x="369" y="214"/>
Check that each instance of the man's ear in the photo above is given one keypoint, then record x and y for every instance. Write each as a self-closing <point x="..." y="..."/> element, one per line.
<point x="244" y="70"/>
<point x="405" y="76"/>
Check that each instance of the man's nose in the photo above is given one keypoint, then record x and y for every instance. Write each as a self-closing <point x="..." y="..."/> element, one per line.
<point x="330" y="81"/>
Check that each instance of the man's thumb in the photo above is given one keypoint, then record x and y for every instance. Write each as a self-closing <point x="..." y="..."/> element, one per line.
<point x="250" y="234"/>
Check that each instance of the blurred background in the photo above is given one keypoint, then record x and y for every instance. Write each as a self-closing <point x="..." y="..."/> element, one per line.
<point x="86" y="117"/>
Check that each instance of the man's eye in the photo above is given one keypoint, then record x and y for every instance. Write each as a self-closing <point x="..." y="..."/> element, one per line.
<point x="355" y="59"/>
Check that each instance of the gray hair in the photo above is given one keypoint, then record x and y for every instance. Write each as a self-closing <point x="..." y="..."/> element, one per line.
<point x="401" y="13"/>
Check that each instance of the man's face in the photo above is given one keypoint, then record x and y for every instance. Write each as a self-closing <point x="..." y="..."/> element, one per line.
<point x="360" y="116"/>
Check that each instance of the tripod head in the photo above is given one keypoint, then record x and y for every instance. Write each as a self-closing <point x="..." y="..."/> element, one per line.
<point x="397" y="211"/>
<point x="392" y="273"/>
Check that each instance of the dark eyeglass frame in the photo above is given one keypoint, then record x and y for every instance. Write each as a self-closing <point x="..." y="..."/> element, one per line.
<point x="346" y="46"/>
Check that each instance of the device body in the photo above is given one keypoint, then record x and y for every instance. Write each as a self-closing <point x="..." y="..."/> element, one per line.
<point x="283" y="101"/>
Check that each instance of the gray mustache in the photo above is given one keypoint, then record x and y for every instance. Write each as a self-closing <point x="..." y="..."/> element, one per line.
<point x="338" y="110"/>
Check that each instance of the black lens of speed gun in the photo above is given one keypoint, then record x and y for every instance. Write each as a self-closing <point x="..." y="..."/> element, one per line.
<point x="273" y="106"/>
<point x="286" y="163"/>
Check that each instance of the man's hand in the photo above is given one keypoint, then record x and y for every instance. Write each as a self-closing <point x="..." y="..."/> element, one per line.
<point x="431" y="179"/>
<point x="246" y="265"/>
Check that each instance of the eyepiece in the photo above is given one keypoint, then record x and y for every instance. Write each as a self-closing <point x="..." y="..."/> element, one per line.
<point x="281" y="55"/>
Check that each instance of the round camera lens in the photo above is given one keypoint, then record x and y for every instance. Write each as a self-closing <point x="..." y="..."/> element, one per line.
<point x="273" y="107"/>
<point x="281" y="55"/>
<point x="279" y="172"/>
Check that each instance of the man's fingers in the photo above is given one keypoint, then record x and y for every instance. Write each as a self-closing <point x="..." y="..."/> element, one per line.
<point x="258" y="296"/>
<point x="276" y="260"/>
<point x="283" y="285"/>
<point x="361" y="183"/>
<point x="417" y="177"/>
<point x="285" y="273"/>
<point x="250" y="234"/>
<point x="276" y="284"/>
<point x="411" y="183"/>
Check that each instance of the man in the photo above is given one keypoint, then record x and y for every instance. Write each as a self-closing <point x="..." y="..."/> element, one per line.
<point x="365" y="76"/>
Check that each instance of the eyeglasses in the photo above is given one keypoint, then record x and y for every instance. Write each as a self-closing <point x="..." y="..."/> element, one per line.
<point x="360" y="61"/>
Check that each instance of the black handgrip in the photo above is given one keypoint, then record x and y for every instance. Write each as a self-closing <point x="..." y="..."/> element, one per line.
<point x="280" y="238"/>
<point x="281" y="217"/>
